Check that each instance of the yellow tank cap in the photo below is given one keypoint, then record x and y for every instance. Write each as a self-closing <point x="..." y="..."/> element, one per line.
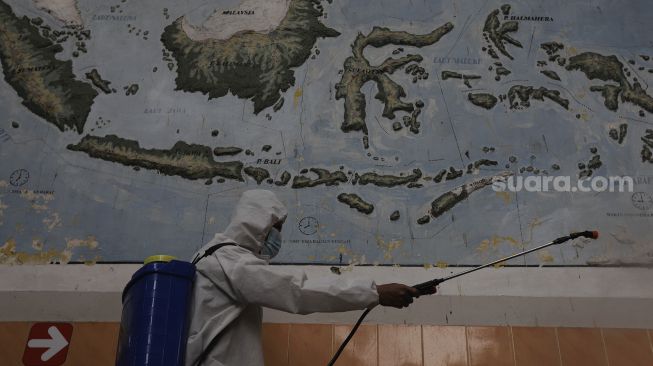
<point x="158" y="258"/>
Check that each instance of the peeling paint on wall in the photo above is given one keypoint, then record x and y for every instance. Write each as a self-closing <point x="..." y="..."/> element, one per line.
<point x="505" y="196"/>
<point x="9" y="255"/>
<point x="545" y="256"/>
<point x="37" y="244"/>
<point x="353" y="259"/>
<point x="52" y="221"/>
<point x="388" y="247"/>
<point x="493" y="243"/>
<point x="639" y="260"/>
<point x="297" y="97"/>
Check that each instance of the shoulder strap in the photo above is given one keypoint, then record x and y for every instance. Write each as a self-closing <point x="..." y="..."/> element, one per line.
<point x="202" y="358"/>
<point x="207" y="253"/>
<point x="210" y="251"/>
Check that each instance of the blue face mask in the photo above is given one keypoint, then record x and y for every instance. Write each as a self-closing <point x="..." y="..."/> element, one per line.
<point x="272" y="244"/>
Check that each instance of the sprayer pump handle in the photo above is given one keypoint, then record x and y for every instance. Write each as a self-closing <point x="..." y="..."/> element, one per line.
<point x="424" y="287"/>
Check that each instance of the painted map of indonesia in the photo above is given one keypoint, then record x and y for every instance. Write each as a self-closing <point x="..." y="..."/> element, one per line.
<point x="46" y="85"/>
<point x="358" y="71"/>
<point x="249" y="64"/>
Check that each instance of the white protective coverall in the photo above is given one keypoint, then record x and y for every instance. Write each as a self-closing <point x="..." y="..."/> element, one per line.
<point x="233" y="284"/>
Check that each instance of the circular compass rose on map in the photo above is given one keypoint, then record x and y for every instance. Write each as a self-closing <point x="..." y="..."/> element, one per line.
<point x="19" y="177"/>
<point x="308" y="225"/>
<point x="642" y="200"/>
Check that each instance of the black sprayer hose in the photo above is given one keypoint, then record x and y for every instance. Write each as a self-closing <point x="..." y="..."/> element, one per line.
<point x="424" y="287"/>
<point x="349" y="336"/>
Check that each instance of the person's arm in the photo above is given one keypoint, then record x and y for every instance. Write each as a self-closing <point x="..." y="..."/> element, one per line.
<point x="290" y="290"/>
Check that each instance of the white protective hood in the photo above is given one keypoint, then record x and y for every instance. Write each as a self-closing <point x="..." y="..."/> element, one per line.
<point x="257" y="211"/>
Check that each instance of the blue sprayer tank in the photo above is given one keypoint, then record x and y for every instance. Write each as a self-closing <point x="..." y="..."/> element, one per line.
<point x="155" y="307"/>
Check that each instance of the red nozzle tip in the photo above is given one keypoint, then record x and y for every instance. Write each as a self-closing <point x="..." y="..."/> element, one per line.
<point x="595" y="234"/>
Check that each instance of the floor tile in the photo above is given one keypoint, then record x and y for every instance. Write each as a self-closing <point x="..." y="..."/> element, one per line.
<point x="361" y="350"/>
<point x="13" y="339"/>
<point x="629" y="347"/>
<point x="444" y="345"/>
<point x="535" y="346"/>
<point x="490" y="346"/>
<point x="93" y="343"/>
<point x="400" y="345"/>
<point x="581" y="347"/>
<point x="275" y="344"/>
<point x="310" y="344"/>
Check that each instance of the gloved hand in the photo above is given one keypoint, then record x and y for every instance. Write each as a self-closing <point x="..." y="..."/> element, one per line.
<point x="398" y="295"/>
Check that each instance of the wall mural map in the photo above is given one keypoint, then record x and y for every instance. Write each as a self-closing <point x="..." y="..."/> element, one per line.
<point x="130" y="128"/>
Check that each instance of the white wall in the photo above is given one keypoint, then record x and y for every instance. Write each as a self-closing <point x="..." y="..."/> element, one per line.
<point x="584" y="297"/>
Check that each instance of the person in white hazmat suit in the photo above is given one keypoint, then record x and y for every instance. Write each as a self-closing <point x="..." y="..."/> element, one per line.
<point x="234" y="281"/>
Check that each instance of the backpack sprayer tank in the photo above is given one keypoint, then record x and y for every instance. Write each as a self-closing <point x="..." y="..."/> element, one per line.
<point x="156" y="312"/>
<point x="154" y="322"/>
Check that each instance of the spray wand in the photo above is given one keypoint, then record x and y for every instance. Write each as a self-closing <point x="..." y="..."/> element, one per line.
<point x="424" y="287"/>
